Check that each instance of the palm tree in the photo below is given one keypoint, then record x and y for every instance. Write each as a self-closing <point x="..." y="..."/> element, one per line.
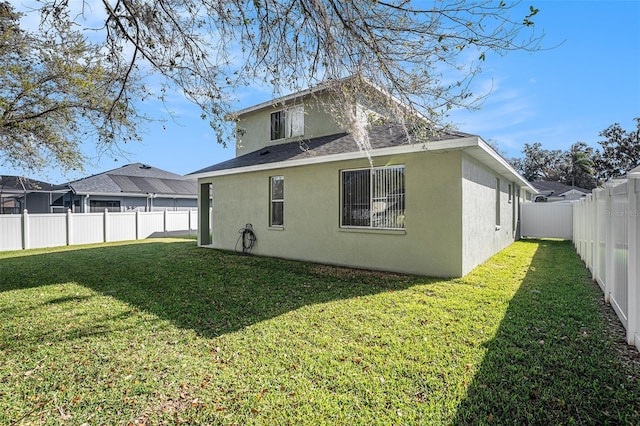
<point x="580" y="161"/>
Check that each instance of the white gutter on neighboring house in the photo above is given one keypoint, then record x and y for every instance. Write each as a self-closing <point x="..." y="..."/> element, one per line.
<point x="133" y="194"/>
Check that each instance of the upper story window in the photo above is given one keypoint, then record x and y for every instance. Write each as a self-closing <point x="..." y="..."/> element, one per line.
<point x="287" y="123"/>
<point x="373" y="198"/>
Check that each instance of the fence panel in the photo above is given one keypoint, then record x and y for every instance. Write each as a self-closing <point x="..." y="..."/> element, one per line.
<point x="151" y="224"/>
<point x="177" y="220"/>
<point x="193" y="219"/>
<point x="547" y="220"/>
<point x="601" y="237"/>
<point x="88" y="228"/>
<point x="10" y="232"/>
<point x="609" y="220"/>
<point x="620" y="230"/>
<point x="51" y="230"/>
<point x="121" y="226"/>
<point x="47" y="230"/>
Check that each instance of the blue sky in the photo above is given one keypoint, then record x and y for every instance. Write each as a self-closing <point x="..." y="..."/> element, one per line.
<point x="556" y="97"/>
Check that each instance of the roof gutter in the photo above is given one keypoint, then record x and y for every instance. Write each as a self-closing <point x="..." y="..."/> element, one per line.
<point x="133" y="194"/>
<point x="418" y="147"/>
<point x="468" y="144"/>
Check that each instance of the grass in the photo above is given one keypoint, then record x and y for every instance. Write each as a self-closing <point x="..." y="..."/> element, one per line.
<point x="162" y="332"/>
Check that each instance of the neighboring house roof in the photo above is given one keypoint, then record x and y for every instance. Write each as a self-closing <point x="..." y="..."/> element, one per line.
<point x="135" y="179"/>
<point x="385" y="139"/>
<point x="20" y="185"/>
<point x="557" y="188"/>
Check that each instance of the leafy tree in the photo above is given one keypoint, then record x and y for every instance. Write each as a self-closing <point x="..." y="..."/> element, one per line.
<point x="208" y="48"/>
<point x="539" y="163"/>
<point x="573" y="167"/>
<point x="56" y="90"/>
<point x="620" y="151"/>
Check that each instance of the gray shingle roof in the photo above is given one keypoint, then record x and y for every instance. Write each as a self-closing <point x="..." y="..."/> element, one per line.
<point x="19" y="184"/>
<point x="557" y="188"/>
<point x="135" y="178"/>
<point x="382" y="136"/>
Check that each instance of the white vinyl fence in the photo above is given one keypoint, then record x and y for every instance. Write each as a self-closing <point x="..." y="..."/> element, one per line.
<point x="27" y="231"/>
<point x="607" y="237"/>
<point x="547" y="220"/>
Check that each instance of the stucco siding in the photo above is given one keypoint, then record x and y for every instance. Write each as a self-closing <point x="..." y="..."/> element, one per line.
<point x="254" y="128"/>
<point x="483" y="234"/>
<point x="431" y="243"/>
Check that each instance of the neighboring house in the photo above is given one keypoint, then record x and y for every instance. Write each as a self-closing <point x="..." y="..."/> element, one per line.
<point x="18" y="193"/>
<point x="131" y="187"/>
<point x="438" y="208"/>
<point x="556" y="191"/>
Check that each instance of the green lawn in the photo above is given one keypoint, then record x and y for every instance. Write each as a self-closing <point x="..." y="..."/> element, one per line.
<point x="163" y="332"/>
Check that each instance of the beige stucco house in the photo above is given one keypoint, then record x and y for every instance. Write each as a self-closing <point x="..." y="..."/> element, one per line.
<point x="438" y="208"/>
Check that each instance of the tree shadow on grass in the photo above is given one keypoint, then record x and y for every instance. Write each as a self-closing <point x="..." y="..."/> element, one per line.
<point x="209" y="291"/>
<point x="551" y="361"/>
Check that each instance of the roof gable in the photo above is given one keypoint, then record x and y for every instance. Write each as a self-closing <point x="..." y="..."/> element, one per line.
<point x="557" y="188"/>
<point x="362" y="83"/>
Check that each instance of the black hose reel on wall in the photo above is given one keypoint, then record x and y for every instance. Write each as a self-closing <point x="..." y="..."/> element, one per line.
<point x="247" y="238"/>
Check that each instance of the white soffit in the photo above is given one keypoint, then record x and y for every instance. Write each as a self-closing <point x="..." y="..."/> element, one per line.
<point x="473" y="146"/>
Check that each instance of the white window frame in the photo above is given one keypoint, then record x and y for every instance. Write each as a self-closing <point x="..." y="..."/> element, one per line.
<point x="292" y="119"/>
<point x="273" y="201"/>
<point x="392" y="221"/>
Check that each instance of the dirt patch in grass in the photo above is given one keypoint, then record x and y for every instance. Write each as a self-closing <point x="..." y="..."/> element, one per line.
<point x="628" y="354"/>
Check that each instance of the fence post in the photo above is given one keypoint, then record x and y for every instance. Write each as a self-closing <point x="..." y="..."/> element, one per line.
<point x="609" y="245"/>
<point x="633" y="219"/>
<point x="587" y="231"/>
<point x="596" y="234"/>
<point x="164" y="222"/>
<point x="69" y="228"/>
<point x="583" y="220"/>
<point x="105" y="227"/>
<point x="25" y="229"/>
<point x="577" y="226"/>
<point x="137" y="224"/>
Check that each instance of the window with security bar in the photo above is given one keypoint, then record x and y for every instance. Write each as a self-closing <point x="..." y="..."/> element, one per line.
<point x="373" y="198"/>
